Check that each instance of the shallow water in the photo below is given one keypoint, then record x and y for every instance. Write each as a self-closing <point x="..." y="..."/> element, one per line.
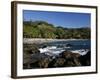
<point x="71" y="44"/>
<point x="57" y="47"/>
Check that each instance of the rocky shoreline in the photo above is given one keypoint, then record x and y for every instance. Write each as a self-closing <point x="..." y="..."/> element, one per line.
<point x="34" y="59"/>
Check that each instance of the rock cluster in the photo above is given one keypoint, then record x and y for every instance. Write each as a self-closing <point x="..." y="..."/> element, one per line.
<point x="65" y="59"/>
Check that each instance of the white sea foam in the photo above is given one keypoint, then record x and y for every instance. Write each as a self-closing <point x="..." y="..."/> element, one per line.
<point x="81" y="52"/>
<point x="54" y="51"/>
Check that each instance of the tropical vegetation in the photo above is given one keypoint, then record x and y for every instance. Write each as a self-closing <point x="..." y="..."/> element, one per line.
<point x="42" y="29"/>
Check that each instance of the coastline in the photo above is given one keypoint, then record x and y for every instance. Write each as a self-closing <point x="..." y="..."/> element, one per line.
<point x="43" y="40"/>
<point x="51" y="57"/>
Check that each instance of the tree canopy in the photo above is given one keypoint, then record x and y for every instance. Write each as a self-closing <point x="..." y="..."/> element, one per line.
<point x="42" y="29"/>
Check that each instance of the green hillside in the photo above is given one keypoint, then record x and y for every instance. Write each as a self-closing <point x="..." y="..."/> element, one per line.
<point x="41" y="29"/>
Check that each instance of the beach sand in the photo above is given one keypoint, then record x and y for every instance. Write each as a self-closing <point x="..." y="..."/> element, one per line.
<point x="43" y="40"/>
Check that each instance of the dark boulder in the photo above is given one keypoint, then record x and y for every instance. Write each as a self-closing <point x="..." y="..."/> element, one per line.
<point x="86" y="59"/>
<point x="69" y="54"/>
<point x="68" y="45"/>
<point x="59" y="62"/>
<point x="42" y="60"/>
<point x="31" y="48"/>
<point x="37" y="61"/>
<point x="43" y="63"/>
<point x="72" y="62"/>
<point x="66" y="59"/>
<point x="43" y="46"/>
<point x="72" y="59"/>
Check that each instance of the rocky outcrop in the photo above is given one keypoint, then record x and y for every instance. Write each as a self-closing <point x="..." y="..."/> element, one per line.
<point x="35" y="59"/>
<point x="38" y="61"/>
<point x="86" y="59"/>
<point x="59" y="62"/>
<point x="30" y="49"/>
<point x="44" y="63"/>
<point x="71" y="59"/>
<point x="69" y="54"/>
<point x="66" y="59"/>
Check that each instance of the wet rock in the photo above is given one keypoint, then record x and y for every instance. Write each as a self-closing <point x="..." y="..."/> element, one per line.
<point x="59" y="62"/>
<point x="42" y="60"/>
<point x="66" y="59"/>
<point x="37" y="61"/>
<point x="28" y="51"/>
<point x="72" y="59"/>
<point x="31" y="48"/>
<point x="69" y="45"/>
<point x="44" y="46"/>
<point x="86" y="59"/>
<point x="44" y="63"/>
<point x="72" y="62"/>
<point x="69" y="54"/>
<point x="34" y="59"/>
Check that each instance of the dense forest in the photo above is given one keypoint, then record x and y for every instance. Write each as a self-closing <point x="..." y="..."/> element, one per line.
<point x="42" y="29"/>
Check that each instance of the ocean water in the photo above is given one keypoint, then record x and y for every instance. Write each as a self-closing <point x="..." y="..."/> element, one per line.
<point x="56" y="47"/>
<point x="71" y="44"/>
